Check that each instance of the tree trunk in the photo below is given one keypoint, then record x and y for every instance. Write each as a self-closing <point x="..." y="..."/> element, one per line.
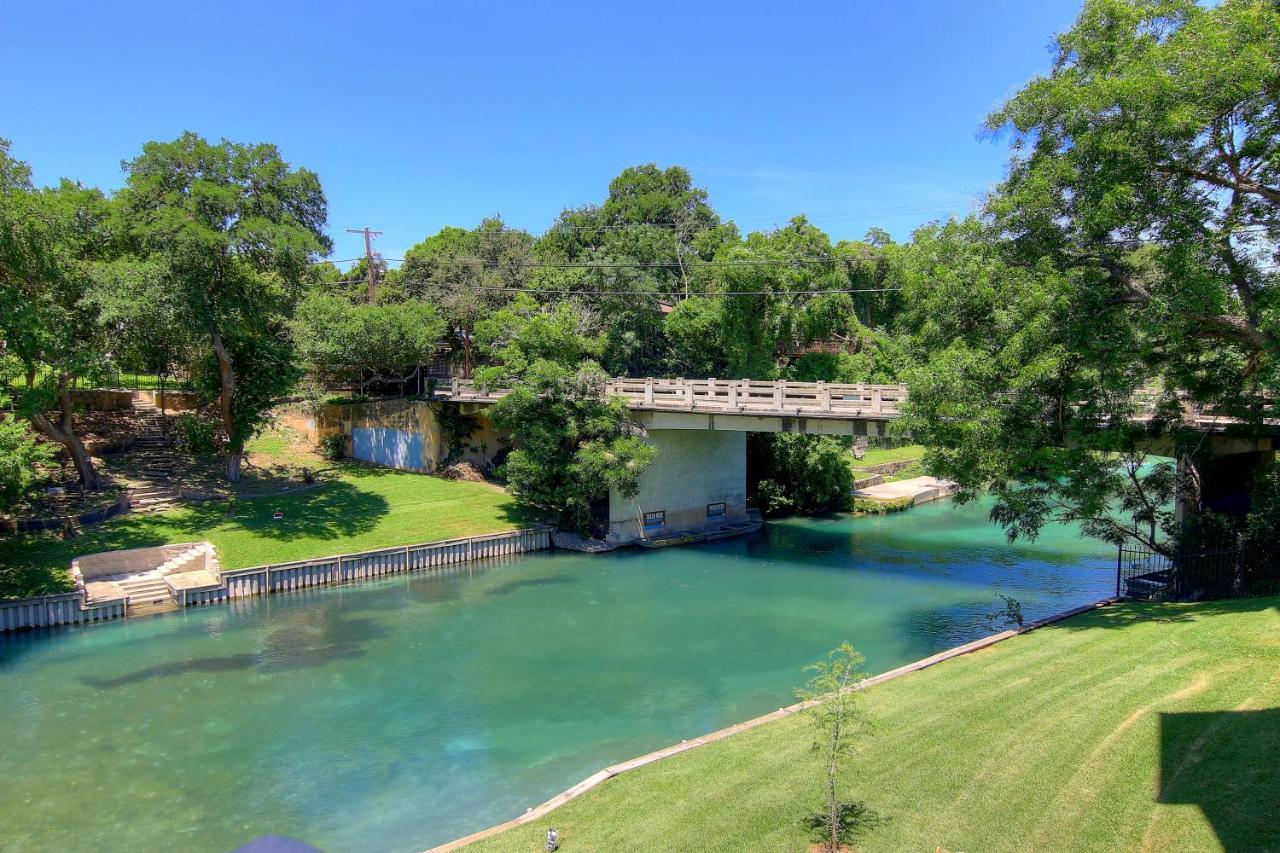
<point x="225" y="401"/>
<point x="234" y="459"/>
<point x="65" y="434"/>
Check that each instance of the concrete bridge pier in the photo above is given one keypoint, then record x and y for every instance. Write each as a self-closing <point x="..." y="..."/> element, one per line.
<point x="1226" y="474"/>
<point x="699" y="477"/>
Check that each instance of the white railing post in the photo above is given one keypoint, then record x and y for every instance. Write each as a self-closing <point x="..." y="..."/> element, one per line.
<point x="453" y="387"/>
<point x="648" y="391"/>
<point x="733" y="395"/>
<point x="779" y="394"/>
<point x="877" y="404"/>
<point x="824" y="397"/>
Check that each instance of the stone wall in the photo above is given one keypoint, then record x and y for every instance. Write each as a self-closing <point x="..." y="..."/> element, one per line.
<point x="692" y="471"/>
<point x="98" y="400"/>
<point x="171" y="401"/>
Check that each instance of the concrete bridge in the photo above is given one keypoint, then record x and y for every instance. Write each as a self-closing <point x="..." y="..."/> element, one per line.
<point x="742" y="405"/>
<point x="699" y="426"/>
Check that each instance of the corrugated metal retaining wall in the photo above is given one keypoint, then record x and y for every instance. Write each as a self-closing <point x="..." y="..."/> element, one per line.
<point x="388" y="561"/>
<point x="65" y="608"/>
<point x="49" y="610"/>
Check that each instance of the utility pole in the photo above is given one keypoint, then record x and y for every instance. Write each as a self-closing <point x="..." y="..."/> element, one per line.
<point x="369" y="258"/>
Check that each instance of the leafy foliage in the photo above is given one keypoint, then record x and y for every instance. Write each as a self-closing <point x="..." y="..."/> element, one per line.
<point x="348" y="345"/>
<point x="797" y="472"/>
<point x="1127" y="252"/>
<point x="232" y="230"/>
<point x="839" y="718"/>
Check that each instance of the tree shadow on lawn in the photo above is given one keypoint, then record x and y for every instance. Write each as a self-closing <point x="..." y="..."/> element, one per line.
<point x="1228" y="764"/>
<point x="330" y="511"/>
<point x="1129" y="613"/>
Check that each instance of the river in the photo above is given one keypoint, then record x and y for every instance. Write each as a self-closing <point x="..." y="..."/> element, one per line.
<point x="394" y="715"/>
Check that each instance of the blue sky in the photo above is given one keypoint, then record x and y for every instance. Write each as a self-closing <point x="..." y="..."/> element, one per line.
<point x="423" y="115"/>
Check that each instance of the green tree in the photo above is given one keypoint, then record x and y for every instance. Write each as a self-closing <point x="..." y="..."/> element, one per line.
<point x="1131" y="249"/>
<point x="469" y="275"/>
<point x="235" y="229"/>
<point x="839" y="718"/>
<point x="797" y="472"/>
<point x="643" y="248"/>
<point x="51" y="242"/>
<point x="575" y="443"/>
<point x="353" y="346"/>
<point x="21" y="453"/>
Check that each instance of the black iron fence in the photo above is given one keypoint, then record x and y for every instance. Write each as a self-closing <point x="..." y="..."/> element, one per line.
<point x="1197" y="575"/>
<point x="128" y="380"/>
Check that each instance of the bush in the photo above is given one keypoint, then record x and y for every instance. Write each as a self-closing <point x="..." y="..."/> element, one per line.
<point x="195" y="434"/>
<point x="882" y="507"/>
<point x="333" y="447"/>
<point x="799" y="472"/>
<point x="21" y="454"/>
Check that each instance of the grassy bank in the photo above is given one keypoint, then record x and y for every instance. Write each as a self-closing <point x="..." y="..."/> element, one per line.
<point x="359" y="508"/>
<point x="1139" y="727"/>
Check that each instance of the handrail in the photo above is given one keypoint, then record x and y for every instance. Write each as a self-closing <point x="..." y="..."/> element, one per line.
<point x="733" y="395"/>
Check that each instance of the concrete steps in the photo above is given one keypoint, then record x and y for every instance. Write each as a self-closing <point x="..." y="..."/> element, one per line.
<point x="145" y="590"/>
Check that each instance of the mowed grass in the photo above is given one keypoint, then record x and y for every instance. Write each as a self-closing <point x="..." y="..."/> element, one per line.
<point x="360" y="508"/>
<point x="881" y="455"/>
<point x="1137" y="727"/>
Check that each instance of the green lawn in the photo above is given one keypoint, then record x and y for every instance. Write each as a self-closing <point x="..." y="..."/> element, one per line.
<point x="1139" y="727"/>
<point x="879" y="455"/>
<point x="361" y="508"/>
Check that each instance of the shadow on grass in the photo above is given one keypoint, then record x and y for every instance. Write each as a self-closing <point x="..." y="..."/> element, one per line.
<point x="1228" y="764"/>
<point x="1130" y="613"/>
<point x="331" y="511"/>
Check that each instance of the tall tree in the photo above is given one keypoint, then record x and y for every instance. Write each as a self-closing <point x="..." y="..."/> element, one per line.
<point x="1131" y="251"/>
<point x="468" y="274"/>
<point x="347" y="345"/>
<point x="51" y="241"/>
<point x="575" y="444"/>
<point x="235" y="228"/>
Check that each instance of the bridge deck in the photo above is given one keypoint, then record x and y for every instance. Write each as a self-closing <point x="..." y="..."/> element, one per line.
<point x="828" y="400"/>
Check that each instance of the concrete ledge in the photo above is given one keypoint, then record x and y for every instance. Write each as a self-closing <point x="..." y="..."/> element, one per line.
<point x="686" y="745"/>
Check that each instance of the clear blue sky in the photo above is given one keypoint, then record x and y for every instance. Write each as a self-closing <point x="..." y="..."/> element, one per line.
<point x="419" y="115"/>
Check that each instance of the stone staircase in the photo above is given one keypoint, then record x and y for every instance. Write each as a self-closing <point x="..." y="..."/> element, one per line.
<point x="147" y="590"/>
<point x="160" y="461"/>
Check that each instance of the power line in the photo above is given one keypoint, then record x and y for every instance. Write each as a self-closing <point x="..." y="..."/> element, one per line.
<point x="580" y="292"/>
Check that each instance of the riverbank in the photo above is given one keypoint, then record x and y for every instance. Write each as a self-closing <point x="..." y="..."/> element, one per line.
<point x="994" y="751"/>
<point x="358" y="508"/>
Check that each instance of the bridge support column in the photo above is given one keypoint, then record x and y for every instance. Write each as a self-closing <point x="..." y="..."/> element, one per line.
<point x="698" y="477"/>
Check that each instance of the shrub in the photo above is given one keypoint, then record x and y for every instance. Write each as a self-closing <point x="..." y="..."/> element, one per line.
<point x="333" y="447"/>
<point x="799" y="472"/>
<point x="194" y="433"/>
<point x="882" y="507"/>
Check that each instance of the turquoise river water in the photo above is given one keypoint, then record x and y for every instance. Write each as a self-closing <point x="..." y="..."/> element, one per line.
<point x="394" y="715"/>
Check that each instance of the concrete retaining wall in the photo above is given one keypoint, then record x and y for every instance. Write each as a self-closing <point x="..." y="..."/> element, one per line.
<point x="99" y="400"/>
<point x="130" y="560"/>
<point x="96" y="516"/>
<point x="398" y="433"/>
<point x="171" y="401"/>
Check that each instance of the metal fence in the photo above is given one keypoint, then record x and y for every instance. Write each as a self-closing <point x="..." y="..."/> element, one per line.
<point x="1197" y="575"/>
<point x="128" y="380"/>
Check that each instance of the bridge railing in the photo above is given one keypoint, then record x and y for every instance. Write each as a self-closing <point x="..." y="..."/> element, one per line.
<point x="736" y="395"/>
